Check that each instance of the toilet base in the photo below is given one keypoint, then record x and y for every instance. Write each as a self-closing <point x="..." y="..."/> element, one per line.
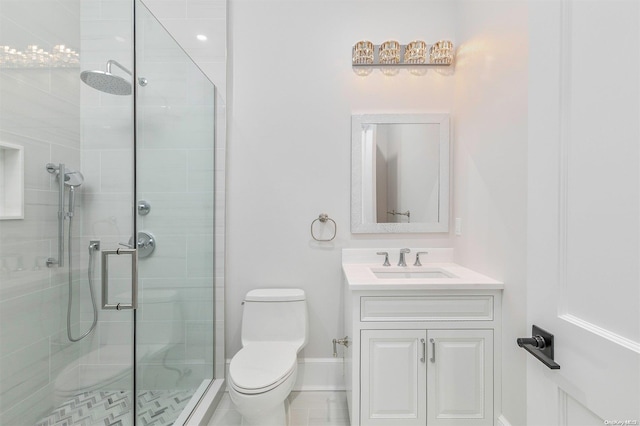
<point x="267" y="409"/>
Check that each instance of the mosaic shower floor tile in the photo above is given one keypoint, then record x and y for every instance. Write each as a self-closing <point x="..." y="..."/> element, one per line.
<point x="113" y="408"/>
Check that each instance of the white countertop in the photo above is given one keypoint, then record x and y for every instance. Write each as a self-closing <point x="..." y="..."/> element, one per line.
<point x="360" y="277"/>
<point x="358" y="266"/>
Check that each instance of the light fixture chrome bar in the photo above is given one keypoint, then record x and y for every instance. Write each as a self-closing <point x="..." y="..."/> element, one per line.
<point x="401" y="62"/>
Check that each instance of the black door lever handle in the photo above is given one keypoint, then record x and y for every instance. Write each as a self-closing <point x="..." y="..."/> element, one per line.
<point x="540" y="346"/>
<point x="536" y="341"/>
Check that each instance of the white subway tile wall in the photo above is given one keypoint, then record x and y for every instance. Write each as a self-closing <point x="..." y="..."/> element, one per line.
<point x="39" y="110"/>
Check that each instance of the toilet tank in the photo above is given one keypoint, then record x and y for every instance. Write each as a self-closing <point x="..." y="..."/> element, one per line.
<point x="275" y="315"/>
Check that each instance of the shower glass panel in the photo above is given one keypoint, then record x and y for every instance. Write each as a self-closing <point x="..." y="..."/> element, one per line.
<point x="82" y="142"/>
<point x="174" y="323"/>
<point x="77" y="181"/>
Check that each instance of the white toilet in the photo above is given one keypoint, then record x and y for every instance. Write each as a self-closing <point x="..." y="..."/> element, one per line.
<point x="262" y="374"/>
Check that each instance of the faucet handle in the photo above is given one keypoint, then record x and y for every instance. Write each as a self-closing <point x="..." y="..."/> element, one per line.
<point x="418" y="258"/>
<point x="386" y="257"/>
<point x="405" y="250"/>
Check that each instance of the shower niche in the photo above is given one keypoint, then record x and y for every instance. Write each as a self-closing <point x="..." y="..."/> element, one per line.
<point x="11" y="181"/>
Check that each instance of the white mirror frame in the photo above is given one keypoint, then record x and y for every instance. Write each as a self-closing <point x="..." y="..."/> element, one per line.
<point x="358" y="223"/>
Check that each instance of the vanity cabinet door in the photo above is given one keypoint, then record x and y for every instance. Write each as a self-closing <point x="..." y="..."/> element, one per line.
<point x="393" y="378"/>
<point x="460" y="378"/>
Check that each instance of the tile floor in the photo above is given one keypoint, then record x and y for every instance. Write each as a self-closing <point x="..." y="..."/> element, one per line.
<point x="113" y="408"/>
<point x="307" y="409"/>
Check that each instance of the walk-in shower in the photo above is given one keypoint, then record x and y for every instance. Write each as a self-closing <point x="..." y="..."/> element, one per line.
<point x="65" y="356"/>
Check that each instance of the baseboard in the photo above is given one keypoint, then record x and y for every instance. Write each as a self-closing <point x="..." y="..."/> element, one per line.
<point x="317" y="374"/>
<point x="502" y="421"/>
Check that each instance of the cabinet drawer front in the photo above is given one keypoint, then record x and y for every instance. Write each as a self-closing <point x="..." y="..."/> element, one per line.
<point x="426" y="308"/>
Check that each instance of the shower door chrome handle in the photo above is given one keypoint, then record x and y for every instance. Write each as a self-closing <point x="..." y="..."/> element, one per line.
<point x="134" y="279"/>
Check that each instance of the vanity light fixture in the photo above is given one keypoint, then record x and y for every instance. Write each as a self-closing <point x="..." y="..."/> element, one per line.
<point x="415" y="53"/>
<point x="390" y="55"/>
<point x="441" y="53"/>
<point x="363" y="53"/>
<point x="389" y="52"/>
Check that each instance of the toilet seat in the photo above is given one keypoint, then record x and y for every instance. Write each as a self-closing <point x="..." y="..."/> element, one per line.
<point x="262" y="366"/>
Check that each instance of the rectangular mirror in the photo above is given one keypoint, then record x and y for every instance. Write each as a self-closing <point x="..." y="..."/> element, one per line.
<point x="399" y="173"/>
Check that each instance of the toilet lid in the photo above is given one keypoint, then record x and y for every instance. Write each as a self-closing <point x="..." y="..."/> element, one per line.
<point x="259" y="367"/>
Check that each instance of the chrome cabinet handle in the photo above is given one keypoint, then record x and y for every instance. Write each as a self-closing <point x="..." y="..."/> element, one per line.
<point x="433" y="350"/>
<point x="134" y="279"/>
<point x="424" y="350"/>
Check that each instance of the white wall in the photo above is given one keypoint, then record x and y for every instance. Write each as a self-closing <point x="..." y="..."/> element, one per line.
<point x="292" y="93"/>
<point x="490" y="167"/>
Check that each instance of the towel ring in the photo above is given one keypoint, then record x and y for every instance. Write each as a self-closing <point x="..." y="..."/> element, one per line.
<point x="323" y="218"/>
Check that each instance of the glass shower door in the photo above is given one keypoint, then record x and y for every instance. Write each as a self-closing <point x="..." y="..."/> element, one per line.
<point x="107" y="92"/>
<point x="64" y="359"/>
<point x="175" y="183"/>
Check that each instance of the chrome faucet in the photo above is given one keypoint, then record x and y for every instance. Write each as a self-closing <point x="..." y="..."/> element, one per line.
<point x="418" y="258"/>
<point x="386" y="257"/>
<point x="403" y="251"/>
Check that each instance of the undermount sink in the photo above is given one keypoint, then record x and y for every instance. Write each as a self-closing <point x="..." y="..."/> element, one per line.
<point x="401" y="272"/>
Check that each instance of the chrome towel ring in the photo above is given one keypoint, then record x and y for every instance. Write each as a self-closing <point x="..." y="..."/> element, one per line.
<point x="323" y="218"/>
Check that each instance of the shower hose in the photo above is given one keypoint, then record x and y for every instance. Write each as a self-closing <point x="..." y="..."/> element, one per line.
<point x="92" y="248"/>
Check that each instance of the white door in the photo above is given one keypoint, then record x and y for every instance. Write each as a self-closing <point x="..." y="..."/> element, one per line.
<point x="393" y="378"/>
<point x="460" y="378"/>
<point x="583" y="210"/>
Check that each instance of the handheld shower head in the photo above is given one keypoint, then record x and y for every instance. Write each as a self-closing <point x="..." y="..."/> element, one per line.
<point x="73" y="178"/>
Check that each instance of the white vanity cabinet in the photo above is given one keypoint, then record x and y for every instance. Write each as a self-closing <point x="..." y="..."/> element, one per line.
<point x="460" y="377"/>
<point x="426" y="377"/>
<point x="393" y="378"/>
<point x="423" y="350"/>
<point x="424" y="358"/>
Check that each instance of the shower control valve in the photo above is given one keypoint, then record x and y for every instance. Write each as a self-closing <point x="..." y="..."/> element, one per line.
<point x="143" y="207"/>
<point x="145" y="244"/>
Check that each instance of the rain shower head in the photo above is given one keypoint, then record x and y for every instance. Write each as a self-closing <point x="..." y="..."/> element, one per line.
<point x="107" y="82"/>
<point x="73" y="179"/>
